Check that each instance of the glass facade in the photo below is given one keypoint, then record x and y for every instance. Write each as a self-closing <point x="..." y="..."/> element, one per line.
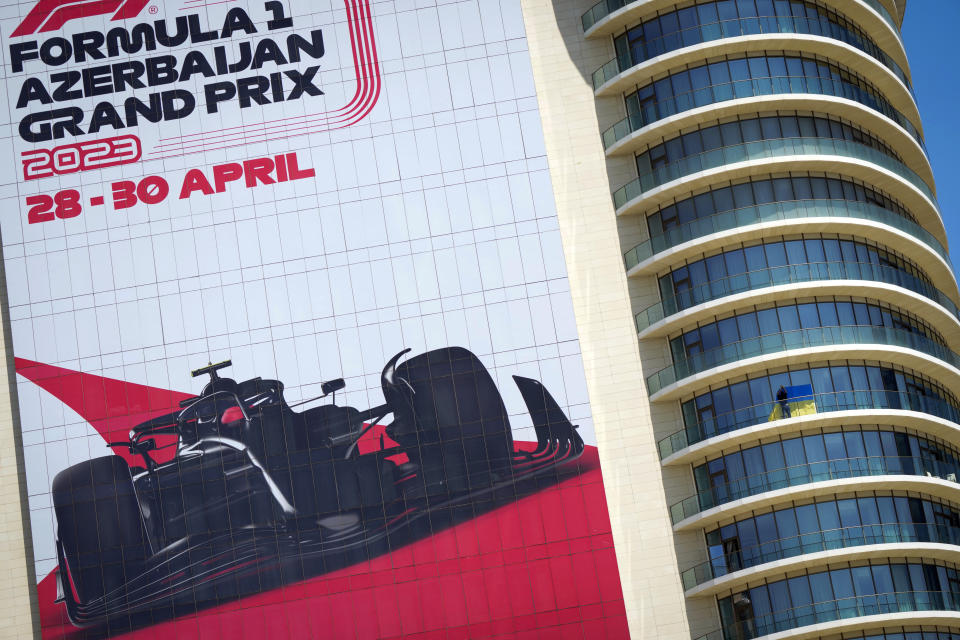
<point x="794" y="317"/>
<point x="745" y="203"/>
<point x="834" y="594"/>
<point x="835" y="387"/>
<point x="774" y="465"/>
<point x="750" y="267"/>
<point x="713" y="182"/>
<point x="604" y="8"/>
<point x="759" y="191"/>
<point x="932" y="634"/>
<point x="751" y="130"/>
<point x="745" y="77"/>
<point x="765" y="332"/>
<point x="792" y="149"/>
<point x="829" y="524"/>
<point x="708" y="21"/>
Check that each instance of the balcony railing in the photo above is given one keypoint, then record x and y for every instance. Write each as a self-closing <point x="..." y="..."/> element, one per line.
<point x="744" y="26"/>
<point x="813" y="542"/>
<point x="807" y="473"/>
<point x="798" y="339"/>
<point x="790" y="274"/>
<point x="651" y="112"/>
<point x="846" y="608"/>
<point x="602" y="9"/>
<point x="867" y="400"/>
<point x="765" y="150"/>
<point x="778" y="211"/>
<point x="879" y="8"/>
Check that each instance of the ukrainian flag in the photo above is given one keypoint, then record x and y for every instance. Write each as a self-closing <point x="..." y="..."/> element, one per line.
<point x="799" y="399"/>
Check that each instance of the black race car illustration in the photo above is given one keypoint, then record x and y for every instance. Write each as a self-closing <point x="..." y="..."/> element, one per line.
<point x="259" y="495"/>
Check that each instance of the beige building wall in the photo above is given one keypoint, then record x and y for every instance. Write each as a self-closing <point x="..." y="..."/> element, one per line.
<point x="562" y="62"/>
<point x="18" y="592"/>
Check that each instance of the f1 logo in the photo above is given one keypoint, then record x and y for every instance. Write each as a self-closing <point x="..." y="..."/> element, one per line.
<point x="50" y="15"/>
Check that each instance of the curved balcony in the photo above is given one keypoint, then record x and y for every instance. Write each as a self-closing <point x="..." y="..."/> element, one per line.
<point x="791" y="274"/>
<point x="752" y="88"/>
<point x="879" y="8"/>
<point x="832" y="610"/>
<point x="747" y="26"/>
<point x="602" y="9"/>
<point x="869" y="400"/>
<point x="827" y="540"/>
<point x="799" y="339"/>
<point x="763" y="150"/>
<point x="780" y="211"/>
<point x="835" y="469"/>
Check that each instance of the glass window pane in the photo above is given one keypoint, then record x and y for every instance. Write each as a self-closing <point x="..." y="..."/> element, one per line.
<point x="707" y="13"/>
<point x="828" y="515"/>
<point x="739" y="70"/>
<point x="719" y="73"/>
<point x="820" y="378"/>
<point x="835" y="447"/>
<point x="793" y="452"/>
<point x="863" y="581"/>
<point x="869" y="514"/>
<point x="727" y="10"/>
<point x="807" y="521"/>
<point x="758" y="67"/>
<point x="783" y="188"/>
<point x="711" y="138"/>
<point x="767" y="321"/>
<point x="828" y="314"/>
<point x="723" y="199"/>
<point x="821" y="587"/>
<point x="776" y="254"/>
<point x="778" y="66"/>
<point x="842" y="583"/>
<point x="809" y="317"/>
<point x="814" y="249"/>
<point x="788" y="127"/>
<point x="763" y="191"/>
<point x="735" y="261"/>
<point x="845" y="315"/>
<point x="853" y="440"/>
<point x="770" y="127"/>
<point x="747" y="326"/>
<point x="800" y="594"/>
<point x="703" y="204"/>
<point x="849" y="514"/>
<point x="743" y="195"/>
<point x="755" y="257"/>
<point x="795" y="252"/>
<point x="750" y="129"/>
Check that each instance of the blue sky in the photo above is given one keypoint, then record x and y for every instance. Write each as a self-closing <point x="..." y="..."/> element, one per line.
<point x="933" y="48"/>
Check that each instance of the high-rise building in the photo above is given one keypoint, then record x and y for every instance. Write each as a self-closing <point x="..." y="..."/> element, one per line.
<point x="531" y="319"/>
<point x="774" y="213"/>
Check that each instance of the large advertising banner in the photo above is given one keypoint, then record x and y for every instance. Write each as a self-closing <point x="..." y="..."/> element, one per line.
<point x="293" y="336"/>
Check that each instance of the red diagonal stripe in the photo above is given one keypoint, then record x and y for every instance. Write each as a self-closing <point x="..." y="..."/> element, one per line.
<point x="112" y="407"/>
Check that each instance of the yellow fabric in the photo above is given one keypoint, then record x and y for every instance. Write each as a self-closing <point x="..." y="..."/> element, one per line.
<point x="797" y="408"/>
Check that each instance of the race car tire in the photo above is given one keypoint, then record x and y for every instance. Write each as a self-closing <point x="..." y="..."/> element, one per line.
<point x="99" y="527"/>
<point x="452" y="422"/>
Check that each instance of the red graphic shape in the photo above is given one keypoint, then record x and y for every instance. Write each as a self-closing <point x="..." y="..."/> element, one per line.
<point x="365" y="97"/>
<point x="112" y="407"/>
<point x="50" y="15"/>
<point x="96" y="201"/>
<point x="500" y="575"/>
<point x="541" y="567"/>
